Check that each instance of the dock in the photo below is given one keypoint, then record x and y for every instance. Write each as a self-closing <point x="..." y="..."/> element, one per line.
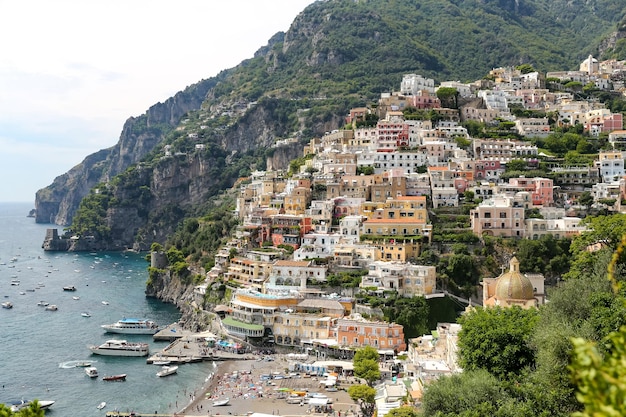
<point x="189" y="347"/>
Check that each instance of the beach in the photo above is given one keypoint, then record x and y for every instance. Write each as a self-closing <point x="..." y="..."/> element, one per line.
<point x="241" y="382"/>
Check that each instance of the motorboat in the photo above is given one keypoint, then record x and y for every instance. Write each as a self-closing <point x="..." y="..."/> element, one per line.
<point x="114" y="347"/>
<point x="75" y="297"/>
<point x="52" y="307"/>
<point x="220" y="403"/>
<point x="69" y="288"/>
<point x="120" y="377"/>
<point x="85" y="314"/>
<point x="167" y="370"/>
<point x="43" y="304"/>
<point x="91" y="371"/>
<point x="101" y="405"/>
<point x="7" y="304"/>
<point x="18" y="405"/>
<point x="132" y="326"/>
<point x="106" y="303"/>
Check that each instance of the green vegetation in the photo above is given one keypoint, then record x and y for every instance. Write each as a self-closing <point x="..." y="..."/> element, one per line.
<point x="366" y="364"/>
<point x="33" y="410"/>
<point x="552" y="362"/>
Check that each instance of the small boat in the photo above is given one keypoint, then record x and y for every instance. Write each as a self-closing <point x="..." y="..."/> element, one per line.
<point x="101" y="405"/>
<point x="220" y="403"/>
<point x="167" y="370"/>
<point x="91" y="371"/>
<point x="76" y="297"/>
<point x="43" y="304"/>
<point x="82" y="364"/>
<point x="69" y="288"/>
<point x="120" y="377"/>
<point x="106" y="303"/>
<point x="7" y="304"/>
<point x="161" y="363"/>
<point x="52" y="307"/>
<point x="85" y="314"/>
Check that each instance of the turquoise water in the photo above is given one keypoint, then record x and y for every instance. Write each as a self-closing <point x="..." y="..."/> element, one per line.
<point x="38" y="346"/>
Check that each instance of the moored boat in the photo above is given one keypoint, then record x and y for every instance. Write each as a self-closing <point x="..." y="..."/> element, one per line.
<point x="167" y="370"/>
<point x="101" y="405"/>
<point x="7" y="304"/>
<point x="85" y="314"/>
<point x="69" y="288"/>
<point x="120" y="377"/>
<point x="116" y="347"/>
<point x="132" y="326"/>
<point x="52" y="307"/>
<point x="220" y="403"/>
<point x="18" y="405"/>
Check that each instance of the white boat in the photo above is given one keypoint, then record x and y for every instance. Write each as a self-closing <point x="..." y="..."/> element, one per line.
<point x="75" y="297"/>
<point x="220" y="403"/>
<point x="106" y="303"/>
<point x="101" y="405"/>
<point x="132" y="326"/>
<point x="91" y="371"/>
<point x="52" y="307"/>
<point x="114" y="347"/>
<point x="18" y="405"/>
<point x="85" y="314"/>
<point x="7" y="304"/>
<point x="167" y="370"/>
<point x="43" y="304"/>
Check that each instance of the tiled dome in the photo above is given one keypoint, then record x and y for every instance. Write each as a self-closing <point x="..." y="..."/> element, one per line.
<point x="513" y="285"/>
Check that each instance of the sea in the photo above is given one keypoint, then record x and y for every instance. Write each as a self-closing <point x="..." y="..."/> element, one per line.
<point x="39" y="349"/>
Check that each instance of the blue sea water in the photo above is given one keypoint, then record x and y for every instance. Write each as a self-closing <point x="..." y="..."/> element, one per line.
<point x="37" y="346"/>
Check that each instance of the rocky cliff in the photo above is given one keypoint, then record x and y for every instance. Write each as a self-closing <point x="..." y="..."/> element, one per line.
<point x="58" y="202"/>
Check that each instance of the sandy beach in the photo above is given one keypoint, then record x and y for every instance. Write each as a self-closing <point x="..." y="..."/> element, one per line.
<point x="240" y="381"/>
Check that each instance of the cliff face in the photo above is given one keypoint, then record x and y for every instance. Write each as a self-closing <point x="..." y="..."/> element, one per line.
<point x="58" y="202"/>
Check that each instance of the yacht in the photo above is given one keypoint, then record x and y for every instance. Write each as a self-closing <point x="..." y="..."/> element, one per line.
<point x="116" y="347"/>
<point x="132" y="326"/>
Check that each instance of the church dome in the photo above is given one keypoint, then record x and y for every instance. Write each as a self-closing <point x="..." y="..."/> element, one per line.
<point x="513" y="285"/>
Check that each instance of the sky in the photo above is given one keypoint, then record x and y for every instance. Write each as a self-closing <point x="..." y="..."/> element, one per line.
<point x="73" y="71"/>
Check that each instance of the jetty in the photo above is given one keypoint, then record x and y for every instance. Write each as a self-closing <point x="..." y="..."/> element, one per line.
<point x="190" y="347"/>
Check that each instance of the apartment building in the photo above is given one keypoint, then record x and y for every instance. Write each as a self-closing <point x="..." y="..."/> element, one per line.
<point x="501" y="216"/>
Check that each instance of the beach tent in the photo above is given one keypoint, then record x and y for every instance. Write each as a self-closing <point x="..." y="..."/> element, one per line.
<point x="318" y="401"/>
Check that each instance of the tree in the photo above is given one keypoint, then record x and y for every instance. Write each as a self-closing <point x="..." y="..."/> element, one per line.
<point x="471" y="393"/>
<point x="516" y="165"/>
<point x="366" y="364"/>
<point x="33" y="410"/>
<point x="403" y="412"/>
<point x="364" y="396"/>
<point x="497" y="340"/>
<point x="448" y="97"/>
<point x="411" y="313"/>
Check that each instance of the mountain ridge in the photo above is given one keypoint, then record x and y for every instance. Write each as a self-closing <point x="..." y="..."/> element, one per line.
<point x="336" y="55"/>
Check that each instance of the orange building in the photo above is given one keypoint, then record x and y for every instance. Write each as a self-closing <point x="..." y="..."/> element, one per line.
<point x="378" y="334"/>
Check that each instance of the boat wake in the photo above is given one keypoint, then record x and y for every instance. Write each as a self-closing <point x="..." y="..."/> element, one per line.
<point x="75" y="364"/>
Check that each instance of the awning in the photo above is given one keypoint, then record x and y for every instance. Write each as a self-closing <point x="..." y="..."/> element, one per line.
<point x="318" y="401"/>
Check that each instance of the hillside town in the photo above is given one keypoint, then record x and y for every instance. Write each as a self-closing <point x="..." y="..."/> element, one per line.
<point x="361" y="200"/>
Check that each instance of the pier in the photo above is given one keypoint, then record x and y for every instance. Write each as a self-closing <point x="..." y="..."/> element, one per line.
<point x="189" y="347"/>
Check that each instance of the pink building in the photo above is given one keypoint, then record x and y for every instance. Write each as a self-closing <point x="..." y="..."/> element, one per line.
<point x="540" y="189"/>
